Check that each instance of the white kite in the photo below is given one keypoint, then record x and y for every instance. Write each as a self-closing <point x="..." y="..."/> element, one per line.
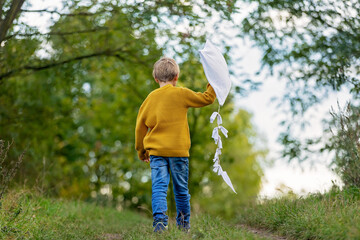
<point x="217" y="73"/>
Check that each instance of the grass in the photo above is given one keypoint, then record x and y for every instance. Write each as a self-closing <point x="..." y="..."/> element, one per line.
<point x="334" y="215"/>
<point x="25" y="215"/>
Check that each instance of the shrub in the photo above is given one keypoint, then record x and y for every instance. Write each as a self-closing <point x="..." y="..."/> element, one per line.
<point x="8" y="169"/>
<point x="345" y="141"/>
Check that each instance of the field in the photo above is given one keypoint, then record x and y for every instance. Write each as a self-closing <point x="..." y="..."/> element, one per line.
<point x="334" y="215"/>
<point x="26" y="215"/>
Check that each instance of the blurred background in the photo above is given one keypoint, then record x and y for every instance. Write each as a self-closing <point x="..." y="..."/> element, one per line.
<point x="73" y="75"/>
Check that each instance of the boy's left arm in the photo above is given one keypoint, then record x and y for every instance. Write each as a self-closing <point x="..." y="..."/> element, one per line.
<point x="140" y="132"/>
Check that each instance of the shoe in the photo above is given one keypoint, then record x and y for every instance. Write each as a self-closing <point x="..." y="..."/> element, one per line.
<point x="185" y="229"/>
<point x="160" y="227"/>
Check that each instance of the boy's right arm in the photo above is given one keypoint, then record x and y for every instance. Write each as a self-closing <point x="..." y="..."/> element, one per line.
<point x="199" y="99"/>
<point x="140" y="132"/>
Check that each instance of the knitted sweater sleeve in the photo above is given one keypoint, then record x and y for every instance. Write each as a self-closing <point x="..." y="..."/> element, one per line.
<point x="140" y="132"/>
<point x="198" y="99"/>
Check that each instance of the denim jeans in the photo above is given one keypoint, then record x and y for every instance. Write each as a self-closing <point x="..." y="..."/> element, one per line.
<point x="161" y="167"/>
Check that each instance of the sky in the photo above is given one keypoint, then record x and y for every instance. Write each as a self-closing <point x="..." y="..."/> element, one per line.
<point x="309" y="177"/>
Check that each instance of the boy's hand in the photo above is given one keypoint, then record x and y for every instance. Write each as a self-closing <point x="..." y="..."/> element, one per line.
<point x="147" y="160"/>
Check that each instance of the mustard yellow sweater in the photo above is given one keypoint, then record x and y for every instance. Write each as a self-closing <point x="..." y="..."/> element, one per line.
<point x="161" y="127"/>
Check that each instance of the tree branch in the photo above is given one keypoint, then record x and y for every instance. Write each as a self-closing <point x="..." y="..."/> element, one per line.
<point x="317" y="15"/>
<point x="107" y="52"/>
<point x="58" y="33"/>
<point x="1" y="9"/>
<point x="64" y="14"/>
<point x="10" y="16"/>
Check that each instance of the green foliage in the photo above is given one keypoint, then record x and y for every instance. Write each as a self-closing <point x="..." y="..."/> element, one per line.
<point x="26" y="215"/>
<point x="316" y="42"/>
<point x="345" y="141"/>
<point x="71" y="96"/>
<point x="333" y="215"/>
<point x="314" y="46"/>
<point x="8" y="167"/>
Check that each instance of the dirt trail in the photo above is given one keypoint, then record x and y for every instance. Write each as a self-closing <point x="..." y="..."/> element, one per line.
<point x="112" y="236"/>
<point x="262" y="233"/>
<point x="258" y="232"/>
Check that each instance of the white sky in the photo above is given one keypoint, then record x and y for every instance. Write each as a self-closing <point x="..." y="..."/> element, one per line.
<point x="301" y="179"/>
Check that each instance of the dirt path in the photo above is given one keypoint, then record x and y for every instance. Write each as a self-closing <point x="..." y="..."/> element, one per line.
<point x="112" y="236"/>
<point x="262" y="233"/>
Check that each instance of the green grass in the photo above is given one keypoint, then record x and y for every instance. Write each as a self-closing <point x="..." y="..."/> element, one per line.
<point x="334" y="215"/>
<point x="25" y="215"/>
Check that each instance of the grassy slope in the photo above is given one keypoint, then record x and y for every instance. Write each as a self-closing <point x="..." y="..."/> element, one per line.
<point x="335" y="215"/>
<point x="27" y="216"/>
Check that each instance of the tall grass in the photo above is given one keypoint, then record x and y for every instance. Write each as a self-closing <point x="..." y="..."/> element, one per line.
<point x="334" y="215"/>
<point x="28" y="215"/>
<point x="8" y="168"/>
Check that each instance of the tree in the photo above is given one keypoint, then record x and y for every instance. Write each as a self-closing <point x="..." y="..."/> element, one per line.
<point x="314" y="46"/>
<point x="7" y="17"/>
<point x="345" y="142"/>
<point x="140" y="15"/>
<point x="75" y="102"/>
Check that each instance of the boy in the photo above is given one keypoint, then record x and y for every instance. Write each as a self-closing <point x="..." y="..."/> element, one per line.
<point x="162" y="137"/>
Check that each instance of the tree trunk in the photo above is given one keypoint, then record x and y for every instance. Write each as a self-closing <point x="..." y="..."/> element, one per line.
<point x="6" y="23"/>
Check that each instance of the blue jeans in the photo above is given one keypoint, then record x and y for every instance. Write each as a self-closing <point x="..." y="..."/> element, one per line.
<point x="160" y="177"/>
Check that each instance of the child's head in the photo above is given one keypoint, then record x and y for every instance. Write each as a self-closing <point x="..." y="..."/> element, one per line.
<point x="166" y="70"/>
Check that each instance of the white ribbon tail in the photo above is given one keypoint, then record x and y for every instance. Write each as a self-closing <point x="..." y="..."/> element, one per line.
<point x="219" y="120"/>
<point x="215" y="135"/>
<point x="217" y="116"/>
<point x="219" y="143"/>
<point x="217" y="153"/>
<point x="213" y="116"/>
<point x="227" y="180"/>
<point x="217" y="168"/>
<point x="217" y="138"/>
<point x="224" y="131"/>
<point x="220" y="171"/>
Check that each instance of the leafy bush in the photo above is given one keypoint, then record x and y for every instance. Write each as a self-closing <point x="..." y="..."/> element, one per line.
<point x="346" y="143"/>
<point x="7" y="169"/>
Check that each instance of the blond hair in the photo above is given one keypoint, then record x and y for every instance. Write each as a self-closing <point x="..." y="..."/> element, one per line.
<point x="165" y="69"/>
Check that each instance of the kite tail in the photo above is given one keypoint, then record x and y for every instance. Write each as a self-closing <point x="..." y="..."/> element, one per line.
<point x="217" y="138"/>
